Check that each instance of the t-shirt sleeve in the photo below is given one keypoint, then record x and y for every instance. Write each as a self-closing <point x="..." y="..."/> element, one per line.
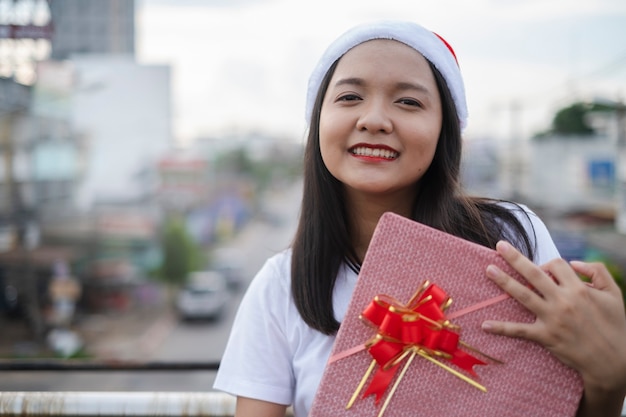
<point x="257" y="361"/>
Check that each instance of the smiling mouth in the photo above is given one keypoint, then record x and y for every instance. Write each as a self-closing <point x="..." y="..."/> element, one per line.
<point x="374" y="152"/>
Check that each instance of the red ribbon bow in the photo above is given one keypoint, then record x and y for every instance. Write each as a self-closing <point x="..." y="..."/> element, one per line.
<point x="419" y="327"/>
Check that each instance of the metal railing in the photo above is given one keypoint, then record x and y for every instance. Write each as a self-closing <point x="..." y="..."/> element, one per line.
<point x="79" y="404"/>
<point x="111" y="403"/>
<point x="103" y="404"/>
<point x="36" y="365"/>
<point x="115" y="404"/>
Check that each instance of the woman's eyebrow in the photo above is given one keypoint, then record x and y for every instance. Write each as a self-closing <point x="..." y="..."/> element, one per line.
<point x="350" y="81"/>
<point x="400" y="86"/>
<point x="412" y="86"/>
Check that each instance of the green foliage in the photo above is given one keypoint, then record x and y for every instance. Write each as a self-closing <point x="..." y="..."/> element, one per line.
<point x="262" y="172"/>
<point x="573" y="119"/>
<point x="181" y="254"/>
<point x="235" y="161"/>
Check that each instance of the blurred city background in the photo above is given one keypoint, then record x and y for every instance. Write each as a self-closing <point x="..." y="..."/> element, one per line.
<point x="140" y="193"/>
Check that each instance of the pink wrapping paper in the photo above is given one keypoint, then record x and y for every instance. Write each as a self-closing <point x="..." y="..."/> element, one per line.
<point x="402" y="254"/>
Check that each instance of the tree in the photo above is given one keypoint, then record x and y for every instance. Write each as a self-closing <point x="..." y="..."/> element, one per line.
<point x="573" y="120"/>
<point x="181" y="254"/>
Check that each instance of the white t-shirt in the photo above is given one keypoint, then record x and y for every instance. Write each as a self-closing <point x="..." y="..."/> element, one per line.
<point x="272" y="355"/>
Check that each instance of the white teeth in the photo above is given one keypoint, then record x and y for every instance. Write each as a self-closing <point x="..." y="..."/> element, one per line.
<point x="377" y="153"/>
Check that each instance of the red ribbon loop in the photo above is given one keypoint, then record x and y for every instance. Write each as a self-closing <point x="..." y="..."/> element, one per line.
<point x="422" y="325"/>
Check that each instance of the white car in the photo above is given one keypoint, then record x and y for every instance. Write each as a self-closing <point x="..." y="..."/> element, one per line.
<point x="205" y="296"/>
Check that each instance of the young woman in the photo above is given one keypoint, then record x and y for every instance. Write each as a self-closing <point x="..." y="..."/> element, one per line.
<point x="386" y="106"/>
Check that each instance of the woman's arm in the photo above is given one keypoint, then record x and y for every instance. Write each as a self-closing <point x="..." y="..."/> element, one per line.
<point x="248" y="407"/>
<point x="583" y="324"/>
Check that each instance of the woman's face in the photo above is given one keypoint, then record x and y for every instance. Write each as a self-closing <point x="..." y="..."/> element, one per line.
<point x="380" y="118"/>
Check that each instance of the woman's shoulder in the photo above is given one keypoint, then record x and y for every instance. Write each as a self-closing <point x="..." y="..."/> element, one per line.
<point x="275" y="274"/>
<point x="280" y="259"/>
<point x="524" y="214"/>
<point x="538" y="232"/>
<point x="269" y="291"/>
<point x="514" y="206"/>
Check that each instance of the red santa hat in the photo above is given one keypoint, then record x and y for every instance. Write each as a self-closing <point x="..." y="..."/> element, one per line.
<point x="432" y="46"/>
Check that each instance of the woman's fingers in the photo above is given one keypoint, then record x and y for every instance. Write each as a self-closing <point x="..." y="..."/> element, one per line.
<point x="511" y="329"/>
<point x="583" y="325"/>
<point x="548" y="294"/>
<point x="600" y="277"/>
<point x="536" y="277"/>
<point x="524" y="295"/>
<point x="515" y="289"/>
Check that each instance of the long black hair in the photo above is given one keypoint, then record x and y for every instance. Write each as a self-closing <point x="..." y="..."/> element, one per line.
<point x="323" y="239"/>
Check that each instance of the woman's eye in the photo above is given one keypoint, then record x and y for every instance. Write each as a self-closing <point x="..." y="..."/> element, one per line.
<point x="410" y="102"/>
<point x="348" y="97"/>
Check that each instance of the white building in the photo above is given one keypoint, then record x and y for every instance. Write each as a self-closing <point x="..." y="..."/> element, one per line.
<point x="572" y="174"/>
<point x="576" y="183"/>
<point x="124" y="111"/>
<point x="564" y="174"/>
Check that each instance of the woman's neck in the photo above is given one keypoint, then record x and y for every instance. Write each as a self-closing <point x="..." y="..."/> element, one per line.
<point x="364" y="211"/>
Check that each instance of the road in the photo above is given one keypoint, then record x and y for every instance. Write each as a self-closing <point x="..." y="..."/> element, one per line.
<point x="182" y="341"/>
<point x="202" y="341"/>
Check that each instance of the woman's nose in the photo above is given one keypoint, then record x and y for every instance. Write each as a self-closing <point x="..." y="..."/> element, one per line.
<point x="375" y="117"/>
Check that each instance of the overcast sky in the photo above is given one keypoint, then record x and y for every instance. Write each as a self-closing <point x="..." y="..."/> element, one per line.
<point x="244" y="64"/>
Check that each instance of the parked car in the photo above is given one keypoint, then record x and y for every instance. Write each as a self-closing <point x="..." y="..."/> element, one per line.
<point x="205" y="296"/>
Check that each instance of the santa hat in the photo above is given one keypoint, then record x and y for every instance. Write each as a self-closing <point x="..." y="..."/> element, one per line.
<point x="432" y="46"/>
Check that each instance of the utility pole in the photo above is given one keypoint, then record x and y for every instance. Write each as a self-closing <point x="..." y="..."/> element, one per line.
<point x="620" y="186"/>
<point x="6" y="143"/>
<point x="516" y="151"/>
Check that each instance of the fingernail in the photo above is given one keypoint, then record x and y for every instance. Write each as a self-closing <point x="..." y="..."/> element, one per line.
<point x="503" y="246"/>
<point x="492" y="271"/>
<point x="487" y="326"/>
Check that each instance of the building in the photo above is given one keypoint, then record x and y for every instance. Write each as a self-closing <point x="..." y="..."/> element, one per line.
<point x="123" y="108"/>
<point x="82" y="144"/>
<point x="575" y="184"/>
<point x="572" y="174"/>
<point x="92" y="26"/>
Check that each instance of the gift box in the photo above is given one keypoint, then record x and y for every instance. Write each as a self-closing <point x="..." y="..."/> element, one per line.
<point x="411" y="343"/>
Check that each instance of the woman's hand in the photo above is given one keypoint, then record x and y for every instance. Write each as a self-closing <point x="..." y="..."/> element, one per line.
<point x="582" y="324"/>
